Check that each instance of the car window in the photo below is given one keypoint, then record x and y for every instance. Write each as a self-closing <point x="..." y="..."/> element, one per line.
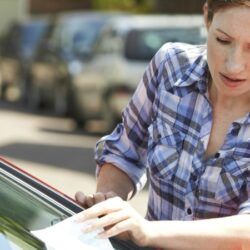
<point x="14" y="237"/>
<point x="31" y="34"/>
<point x="143" y="44"/>
<point x="27" y="206"/>
<point x="77" y="37"/>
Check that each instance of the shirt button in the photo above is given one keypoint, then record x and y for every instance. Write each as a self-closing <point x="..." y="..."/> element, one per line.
<point x="194" y="178"/>
<point x="189" y="211"/>
<point x="217" y="155"/>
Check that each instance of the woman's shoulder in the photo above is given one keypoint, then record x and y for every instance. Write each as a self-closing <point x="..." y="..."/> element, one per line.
<point x="178" y="61"/>
<point x="181" y="51"/>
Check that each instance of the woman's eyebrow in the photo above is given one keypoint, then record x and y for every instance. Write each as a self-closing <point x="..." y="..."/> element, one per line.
<point x="221" y="31"/>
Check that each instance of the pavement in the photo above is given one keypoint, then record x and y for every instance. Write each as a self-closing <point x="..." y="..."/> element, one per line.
<point x="52" y="149"/>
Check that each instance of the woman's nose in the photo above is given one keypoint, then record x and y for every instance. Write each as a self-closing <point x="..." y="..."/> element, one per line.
<point x="235" y="62"/>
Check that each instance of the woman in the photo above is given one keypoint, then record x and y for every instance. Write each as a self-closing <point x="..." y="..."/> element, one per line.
<point x="189" y="122"/>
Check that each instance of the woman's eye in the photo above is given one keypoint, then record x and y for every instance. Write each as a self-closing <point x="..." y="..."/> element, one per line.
<point x="222" y="41"/>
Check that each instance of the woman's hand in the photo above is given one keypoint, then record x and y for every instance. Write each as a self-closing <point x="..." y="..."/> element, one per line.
<point x="88" y="201"/>
<point x="117" y="216"/>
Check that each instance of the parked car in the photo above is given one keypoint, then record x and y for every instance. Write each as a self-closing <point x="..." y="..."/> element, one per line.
<point x="60" y="57"/>
<point x="28" y="204"/>
<point x="123" y="48"/>
<point x="17" y="48"/>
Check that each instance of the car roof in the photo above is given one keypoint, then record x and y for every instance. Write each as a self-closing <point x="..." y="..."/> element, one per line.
<point x="157" y="21"/>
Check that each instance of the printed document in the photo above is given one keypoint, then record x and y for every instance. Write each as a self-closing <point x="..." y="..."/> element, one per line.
<point x="68" y="234"/>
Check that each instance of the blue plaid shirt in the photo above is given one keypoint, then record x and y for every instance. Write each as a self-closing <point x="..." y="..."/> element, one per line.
<point x="166" y="128"/>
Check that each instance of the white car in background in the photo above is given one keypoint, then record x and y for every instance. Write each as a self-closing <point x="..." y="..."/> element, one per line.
<point x="122" y="51"/>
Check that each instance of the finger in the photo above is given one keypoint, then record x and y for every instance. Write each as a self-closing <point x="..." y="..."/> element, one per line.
<point x="107" y="221"/>
<point x="100" y="209"/>
<point x="110" y="195"/>
<point x="90" y="200"/>
<point x="80" y="197"/>
<point x="118" y="228"/>
<point x="99" y="197"/>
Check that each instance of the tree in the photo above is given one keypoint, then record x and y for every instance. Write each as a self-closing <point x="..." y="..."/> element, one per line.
<point x="127" y="5"/>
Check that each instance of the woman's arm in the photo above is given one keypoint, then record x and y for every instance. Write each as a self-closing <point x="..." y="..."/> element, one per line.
<point x="111" y="182"/>
<point x="228" y="233"/>
<point x="117" y="216"/>
<point x="112" y="179"/>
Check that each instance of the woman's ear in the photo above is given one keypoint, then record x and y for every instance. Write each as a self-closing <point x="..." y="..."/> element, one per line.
<point x="205" y="14"/>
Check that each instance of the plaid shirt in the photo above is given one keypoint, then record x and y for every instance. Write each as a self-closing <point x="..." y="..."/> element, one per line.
<point x="166" y="128"/>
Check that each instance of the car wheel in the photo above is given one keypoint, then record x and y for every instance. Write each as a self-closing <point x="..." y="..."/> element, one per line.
<point x="74" y="110"/>
<point x="60" y="101"/>
<point x="110" y="118"/>
<point x="3" y="90"/>
<point x="34" y="98"/>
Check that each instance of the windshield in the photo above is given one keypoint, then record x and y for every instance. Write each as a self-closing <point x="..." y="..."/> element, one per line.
<point x="31" y="34"/>
<point x="27" y="207"/>
<point x="78" y="36"/>
<point x="143" y="44"/>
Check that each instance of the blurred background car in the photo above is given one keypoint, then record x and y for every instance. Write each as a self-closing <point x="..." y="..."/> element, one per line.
<point x="17" y="49"/>
<point x="123" y="48"/>
<point x="61" y="56"/>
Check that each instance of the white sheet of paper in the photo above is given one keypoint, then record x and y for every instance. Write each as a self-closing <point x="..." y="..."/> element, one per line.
<point x="68" y="235"/>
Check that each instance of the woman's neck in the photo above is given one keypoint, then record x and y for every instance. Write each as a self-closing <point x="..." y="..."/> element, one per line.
<point x="228" y="102"/>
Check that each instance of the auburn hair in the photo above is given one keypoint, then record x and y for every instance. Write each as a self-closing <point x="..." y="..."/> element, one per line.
<point x="215" y="5"/>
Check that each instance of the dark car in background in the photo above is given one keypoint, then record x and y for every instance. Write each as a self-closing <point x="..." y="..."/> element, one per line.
<point x="123" y="48"/>
<point x="17" y="48"/>
<point x="61" y="56"/>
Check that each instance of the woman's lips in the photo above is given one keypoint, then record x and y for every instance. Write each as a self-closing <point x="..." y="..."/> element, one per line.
<point x="230" y="81"/>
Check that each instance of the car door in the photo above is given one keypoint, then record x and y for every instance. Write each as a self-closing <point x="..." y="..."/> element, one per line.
<point x="30" y="202"/>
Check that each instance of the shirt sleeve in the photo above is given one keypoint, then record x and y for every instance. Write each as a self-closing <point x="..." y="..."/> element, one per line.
<point x="126" y="146"/>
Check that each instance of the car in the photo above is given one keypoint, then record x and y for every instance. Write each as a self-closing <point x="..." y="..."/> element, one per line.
<point x="122" y="51"/>
<point x="18" y="46"/>
<point x="29" y="204"/>
<point x="60" y="57"/>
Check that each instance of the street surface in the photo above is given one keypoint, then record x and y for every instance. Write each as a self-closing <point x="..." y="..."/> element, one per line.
<point x="53" y="150"/>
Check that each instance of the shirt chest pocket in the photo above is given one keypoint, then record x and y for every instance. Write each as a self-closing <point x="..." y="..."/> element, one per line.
<point x="223" y="187"/>
<point x="164" y="147"/>
<point x="167" y="133"/>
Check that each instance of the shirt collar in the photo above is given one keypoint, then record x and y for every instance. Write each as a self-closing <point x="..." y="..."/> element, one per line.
<point x="244" y="120"/>
<point x="197" y="73"/>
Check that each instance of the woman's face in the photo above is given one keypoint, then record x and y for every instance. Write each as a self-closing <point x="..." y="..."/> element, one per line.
<point x="229" y="51"/>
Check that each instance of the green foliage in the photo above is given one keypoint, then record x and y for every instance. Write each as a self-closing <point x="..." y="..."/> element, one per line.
<point x="138" y="6"/>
